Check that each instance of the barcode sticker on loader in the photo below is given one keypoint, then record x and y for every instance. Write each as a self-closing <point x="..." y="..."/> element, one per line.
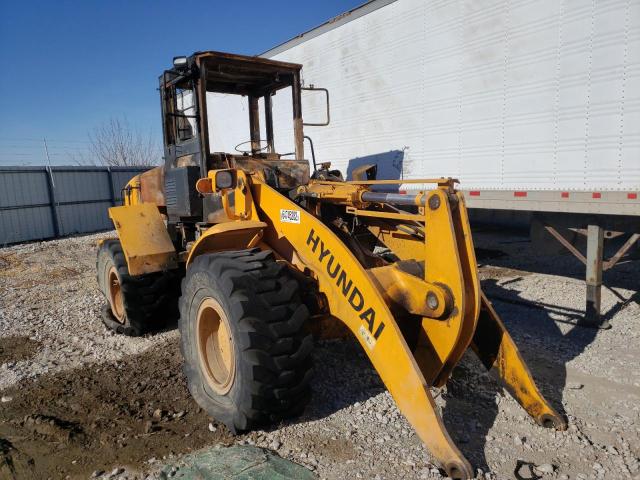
<point x="367" y="337"/>
<point x="289" y="216"/>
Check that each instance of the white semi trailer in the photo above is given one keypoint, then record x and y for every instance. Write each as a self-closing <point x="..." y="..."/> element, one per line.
<point x="516" y="97"/>
<point x="533" y="105"/>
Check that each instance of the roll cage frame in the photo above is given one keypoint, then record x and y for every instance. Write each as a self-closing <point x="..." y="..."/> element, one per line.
<point x="210" y="71"/>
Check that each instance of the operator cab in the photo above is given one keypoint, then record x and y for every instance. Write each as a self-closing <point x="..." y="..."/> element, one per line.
<point x="207" y="99"/>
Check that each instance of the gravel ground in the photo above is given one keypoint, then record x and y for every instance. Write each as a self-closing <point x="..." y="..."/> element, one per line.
<point x="78" y="401"/>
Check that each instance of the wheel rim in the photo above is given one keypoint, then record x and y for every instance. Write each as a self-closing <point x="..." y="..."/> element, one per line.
<point x="115" y="295"/>
<point x="215" y="346"/>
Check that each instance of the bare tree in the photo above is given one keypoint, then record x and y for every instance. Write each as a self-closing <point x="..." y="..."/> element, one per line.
<point x="116" y="144"/>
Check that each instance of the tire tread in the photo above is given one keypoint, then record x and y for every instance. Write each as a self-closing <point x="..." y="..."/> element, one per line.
<point x="150" y="300"/>
<point x="272" y="336"/>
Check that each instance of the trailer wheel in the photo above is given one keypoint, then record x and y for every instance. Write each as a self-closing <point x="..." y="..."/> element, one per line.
<point x="136" y="305"/>
<point x="244" y="339"/>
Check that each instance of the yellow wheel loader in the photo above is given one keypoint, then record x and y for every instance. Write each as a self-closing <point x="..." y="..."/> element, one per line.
<point x="270" y="250"/>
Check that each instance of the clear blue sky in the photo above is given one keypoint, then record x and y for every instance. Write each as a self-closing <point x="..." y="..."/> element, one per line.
<point x="67" y="66"/>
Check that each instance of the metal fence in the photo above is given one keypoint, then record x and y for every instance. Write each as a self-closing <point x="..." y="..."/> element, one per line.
<point x="40" y="202"/>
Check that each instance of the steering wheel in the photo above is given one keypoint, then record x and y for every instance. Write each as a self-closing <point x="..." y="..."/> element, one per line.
<point x="251" y="150"/>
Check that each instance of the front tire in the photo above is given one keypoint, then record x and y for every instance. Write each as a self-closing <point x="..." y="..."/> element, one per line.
<point x="244" y="338"/>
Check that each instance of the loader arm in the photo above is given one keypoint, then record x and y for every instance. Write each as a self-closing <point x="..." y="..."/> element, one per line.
<point x="361" y="299"/>
<point x="355" y="300"/>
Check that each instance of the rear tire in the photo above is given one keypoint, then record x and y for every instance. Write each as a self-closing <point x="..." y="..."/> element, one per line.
<point x="244" y="339"/>
<point x="136" y="304"/>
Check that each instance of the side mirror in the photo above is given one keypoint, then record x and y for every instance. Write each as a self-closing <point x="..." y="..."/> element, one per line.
<point x="326" y="93"/>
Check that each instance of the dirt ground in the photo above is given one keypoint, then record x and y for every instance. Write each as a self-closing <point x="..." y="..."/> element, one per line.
<point x="76" y="422"/>
<point x="78" y="401"/>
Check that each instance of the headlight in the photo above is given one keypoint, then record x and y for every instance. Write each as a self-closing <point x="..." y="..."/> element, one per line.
<point x="179" y="62"/>
<point x="224" y="180"/>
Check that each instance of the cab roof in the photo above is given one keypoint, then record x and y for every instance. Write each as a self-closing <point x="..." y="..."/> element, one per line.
<point x="243" y="74"/>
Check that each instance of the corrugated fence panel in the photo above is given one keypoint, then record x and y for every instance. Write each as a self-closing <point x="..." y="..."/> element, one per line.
<point x="25" y="211"/>
<point x="84" y="217"/>
<point x="36" y="203"/>
<point x="24" y="224"/>
<point x="82" y="186"/>
<point x="22" y="188"/>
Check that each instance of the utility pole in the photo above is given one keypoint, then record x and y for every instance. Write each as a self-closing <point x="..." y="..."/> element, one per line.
<point x="46" y="151"/>
<point x="57" y="224"/>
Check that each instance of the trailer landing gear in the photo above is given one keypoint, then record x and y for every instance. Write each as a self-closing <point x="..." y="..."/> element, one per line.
<point x="595" y="265"/>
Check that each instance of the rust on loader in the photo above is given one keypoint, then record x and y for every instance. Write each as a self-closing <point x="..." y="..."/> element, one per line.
<point x="269" y="250"/>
